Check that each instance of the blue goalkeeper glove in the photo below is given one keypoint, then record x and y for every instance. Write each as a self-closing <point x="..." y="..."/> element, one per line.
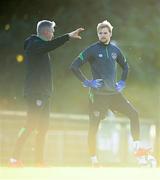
<point x="96" y="83"/>
<point x="120" y="85"/>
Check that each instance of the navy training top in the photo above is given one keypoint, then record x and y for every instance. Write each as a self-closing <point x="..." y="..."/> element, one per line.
<point x="39" y="75"/>
<point x="103" y="61"/>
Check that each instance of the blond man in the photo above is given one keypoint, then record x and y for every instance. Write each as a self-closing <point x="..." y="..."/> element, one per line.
<point x="105" y="91"/>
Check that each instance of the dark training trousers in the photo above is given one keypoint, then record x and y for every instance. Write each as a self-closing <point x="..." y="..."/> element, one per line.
<point x="98" y="107"/>
<point x="38" y="109"/>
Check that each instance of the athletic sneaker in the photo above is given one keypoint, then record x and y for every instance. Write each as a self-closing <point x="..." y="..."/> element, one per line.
<point x="142" y="152"/>
<point x="94" y="162"/>
<point x="15" y="163"/>
<point x="96" y="165"/>
<point x="145" y="158"/>
<point x="41" y="165"/>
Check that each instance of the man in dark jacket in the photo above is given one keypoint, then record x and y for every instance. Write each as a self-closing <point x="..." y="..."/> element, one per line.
<point x="105" y="92"/>
<point x="38" y="86"/>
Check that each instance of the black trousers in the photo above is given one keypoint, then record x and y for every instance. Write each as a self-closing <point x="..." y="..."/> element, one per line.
<point x="38" y="109"/>
<point x="98" y="107"/>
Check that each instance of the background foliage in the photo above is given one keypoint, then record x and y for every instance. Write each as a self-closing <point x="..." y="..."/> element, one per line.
<point x="136" y="31"/>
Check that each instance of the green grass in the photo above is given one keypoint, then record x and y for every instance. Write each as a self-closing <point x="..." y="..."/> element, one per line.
<point x="79" y="173"/>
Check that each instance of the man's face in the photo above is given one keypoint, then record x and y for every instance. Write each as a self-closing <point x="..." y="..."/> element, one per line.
<point x="104" y="35"/>
<point x="49" y="33"/>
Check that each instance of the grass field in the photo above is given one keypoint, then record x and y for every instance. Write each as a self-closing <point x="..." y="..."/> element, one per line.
<point x="79" y="173"/>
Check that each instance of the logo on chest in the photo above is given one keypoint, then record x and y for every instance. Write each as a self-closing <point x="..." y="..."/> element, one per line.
<point x="100" y="55"/>
<point x="114" y="55"/>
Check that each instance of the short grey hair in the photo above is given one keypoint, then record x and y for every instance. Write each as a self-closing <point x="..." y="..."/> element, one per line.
<point x="44" y="24"/>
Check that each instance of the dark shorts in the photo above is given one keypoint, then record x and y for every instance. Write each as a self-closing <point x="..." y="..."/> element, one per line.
<point x="38" y="109"/>
<point x="99" y="105"/>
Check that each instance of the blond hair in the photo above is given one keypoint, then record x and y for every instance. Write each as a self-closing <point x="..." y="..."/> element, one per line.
<point x="105" y="24"/>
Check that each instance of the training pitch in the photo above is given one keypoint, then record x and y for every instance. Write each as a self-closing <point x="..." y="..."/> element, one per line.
<point x="79" y="173"/>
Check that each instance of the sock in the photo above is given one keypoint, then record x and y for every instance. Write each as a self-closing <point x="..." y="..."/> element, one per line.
<point x="21" y="131"/>
<point x="136" y="145"/>
<point x="94" y="159"/>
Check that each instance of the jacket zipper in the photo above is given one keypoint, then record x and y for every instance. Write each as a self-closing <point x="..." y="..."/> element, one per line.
<point x="107" y="53"/>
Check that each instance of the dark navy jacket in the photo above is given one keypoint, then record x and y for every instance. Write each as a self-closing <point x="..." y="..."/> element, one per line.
<point x="39" y="75"/>
<point x="103" y="60"/>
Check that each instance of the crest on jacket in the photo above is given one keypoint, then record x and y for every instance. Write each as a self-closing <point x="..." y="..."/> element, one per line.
<point x="114" y="55"/>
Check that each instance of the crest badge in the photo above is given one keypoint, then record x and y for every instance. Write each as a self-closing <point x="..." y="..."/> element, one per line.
<point x="100" y="55"/>
<point x="39" y="102"/>
<point x="96" y="113"/>
<point x="114" y="55"/>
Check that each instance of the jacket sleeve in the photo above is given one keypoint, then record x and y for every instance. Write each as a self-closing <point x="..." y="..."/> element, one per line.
<point x="40" y="46"/>
<point x="83" y="58"/>
<point x="123" y="64"/>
